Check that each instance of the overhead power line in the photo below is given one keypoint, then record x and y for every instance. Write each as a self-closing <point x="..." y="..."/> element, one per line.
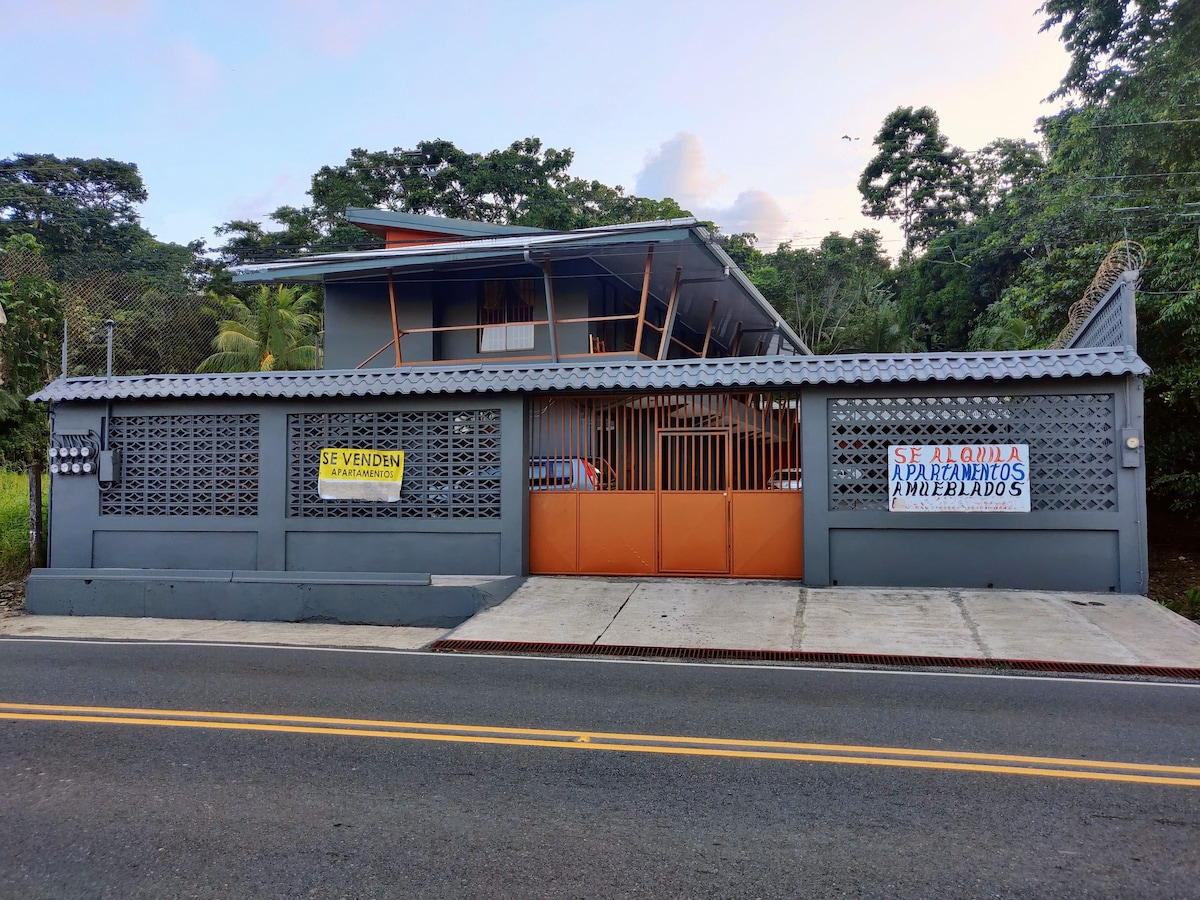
<point x="1141" y="124"/>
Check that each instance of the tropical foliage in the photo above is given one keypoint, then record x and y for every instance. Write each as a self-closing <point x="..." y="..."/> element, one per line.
<point x="275" y="330"/>
<point x="29" y="342"/>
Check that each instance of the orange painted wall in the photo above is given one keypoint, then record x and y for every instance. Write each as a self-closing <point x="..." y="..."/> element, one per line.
<point x="410" y="237"/>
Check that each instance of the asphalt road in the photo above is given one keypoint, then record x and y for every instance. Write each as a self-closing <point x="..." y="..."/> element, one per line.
<point x="613" y="802"/>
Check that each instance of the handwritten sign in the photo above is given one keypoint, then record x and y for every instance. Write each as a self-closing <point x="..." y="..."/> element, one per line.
<point x="360" y="474"/>
<point x="958" y="478"/>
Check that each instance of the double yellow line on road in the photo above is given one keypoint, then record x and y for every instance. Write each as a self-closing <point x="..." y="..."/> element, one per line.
<point x="902" y="757"/>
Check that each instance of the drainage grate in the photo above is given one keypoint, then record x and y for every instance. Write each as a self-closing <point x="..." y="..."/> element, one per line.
<point x="802" y="656"/>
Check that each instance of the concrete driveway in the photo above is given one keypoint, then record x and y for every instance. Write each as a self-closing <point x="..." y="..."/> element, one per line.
<point x="769" y="615"/>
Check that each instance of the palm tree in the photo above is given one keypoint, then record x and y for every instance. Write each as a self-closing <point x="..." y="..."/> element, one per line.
<point x="275" y="331"/>
<point x="1008" y="333"/>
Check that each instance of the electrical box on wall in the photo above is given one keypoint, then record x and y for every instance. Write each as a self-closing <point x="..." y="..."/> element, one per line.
<point x="110" y="467"/>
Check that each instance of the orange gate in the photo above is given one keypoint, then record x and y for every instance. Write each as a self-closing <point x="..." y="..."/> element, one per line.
<point x="666" y="484"/>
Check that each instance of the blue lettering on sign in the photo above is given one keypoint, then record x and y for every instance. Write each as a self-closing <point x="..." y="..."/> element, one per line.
<point x="985" y="477"/>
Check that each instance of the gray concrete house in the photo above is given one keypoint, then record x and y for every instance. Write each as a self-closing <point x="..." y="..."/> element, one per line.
<point x="614" y="401"/>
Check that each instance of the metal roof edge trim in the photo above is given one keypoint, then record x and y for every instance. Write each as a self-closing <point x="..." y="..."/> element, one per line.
<point x="745" y="372"/>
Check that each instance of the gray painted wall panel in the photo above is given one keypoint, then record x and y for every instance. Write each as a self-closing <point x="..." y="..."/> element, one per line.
<point x="1059" y="535"/>
<point x="457" y="553"/>
<point x="80" y="537"/>
<point x="1045" y="560"/>
<point x="175" y="549"/>
<point x="358" y="321"/>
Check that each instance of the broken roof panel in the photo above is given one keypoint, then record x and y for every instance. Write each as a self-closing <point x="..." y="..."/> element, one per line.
<point x="476" y="249"/>
<point x="708" y="273"/>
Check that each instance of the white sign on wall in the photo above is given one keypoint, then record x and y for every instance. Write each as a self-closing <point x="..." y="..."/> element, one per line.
<point x="958" y="478"/>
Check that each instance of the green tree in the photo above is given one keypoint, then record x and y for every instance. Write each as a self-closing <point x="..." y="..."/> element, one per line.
<point x="70" y="205"/>
<point x="826" y="292"/>
<point x="1121" y="158"/>
<point x="1004" y="166"/>
<point x="917" y="178"/>
<point x="29" y="343"/>
<point x="275" y="330"/>
<point x="83" y="214"/>
<point x="522" y="184"/>
<point x="1110" y="41"/>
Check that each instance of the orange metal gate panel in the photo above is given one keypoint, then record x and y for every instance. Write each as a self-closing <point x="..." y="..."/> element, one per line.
<point x="554" y="532"/>
<point x="767" y="534"/>
<point x="693" y="500"/>
<point x="693" y="533"/>
<point x="616" y="533"/>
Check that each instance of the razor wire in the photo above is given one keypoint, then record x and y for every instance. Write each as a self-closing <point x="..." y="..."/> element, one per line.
<point x="1123" y="256"/>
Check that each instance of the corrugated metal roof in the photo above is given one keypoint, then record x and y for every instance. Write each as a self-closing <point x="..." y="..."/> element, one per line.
<point x="745" y="372"/>
<point x="470" y="248"/>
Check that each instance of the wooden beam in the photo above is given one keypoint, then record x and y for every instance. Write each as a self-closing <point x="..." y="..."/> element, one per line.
<point x="712" y="317"/>
<point x="371" y="358"/>
<point x="637" y="341"/>
<point x="664" y="343"/>
<point x="737" y="340"/>
<point x="395" y="324"/>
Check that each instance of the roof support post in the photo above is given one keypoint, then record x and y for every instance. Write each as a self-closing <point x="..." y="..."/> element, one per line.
<point x="664" y="345"/>
<point x="550" y="311"/>
<point x="548" y="285"/>
<point x="395" y="323"/>
<point x="641" y="322"/>
<point x="712" y="317"/>
<point x="735" y="344"/>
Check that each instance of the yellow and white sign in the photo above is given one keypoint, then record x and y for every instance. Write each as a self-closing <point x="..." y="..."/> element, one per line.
<point x="360" y="474"/>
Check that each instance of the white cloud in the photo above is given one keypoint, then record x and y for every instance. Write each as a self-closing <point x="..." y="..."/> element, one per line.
<point x="753" y="211"/>
<point x="678" y="169"/>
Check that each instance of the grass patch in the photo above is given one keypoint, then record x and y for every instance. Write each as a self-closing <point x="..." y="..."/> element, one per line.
<point x="1188" y="607"/>
<point x="14" y="523"/>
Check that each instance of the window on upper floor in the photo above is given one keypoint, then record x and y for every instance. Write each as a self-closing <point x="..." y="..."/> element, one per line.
<point x="506" y="312"/>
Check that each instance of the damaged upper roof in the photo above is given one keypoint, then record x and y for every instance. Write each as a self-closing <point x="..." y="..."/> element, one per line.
<point x="707" y="275"/>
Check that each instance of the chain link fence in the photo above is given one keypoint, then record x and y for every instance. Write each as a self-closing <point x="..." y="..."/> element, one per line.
<point x="153" y="331"/>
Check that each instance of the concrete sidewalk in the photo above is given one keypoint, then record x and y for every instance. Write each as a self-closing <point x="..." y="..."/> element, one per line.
<point x="723" y="614"/>
<point x="1115" y="629"/>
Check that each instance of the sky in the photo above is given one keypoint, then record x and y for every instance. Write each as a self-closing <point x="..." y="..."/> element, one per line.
<point x="757" y="115"/>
